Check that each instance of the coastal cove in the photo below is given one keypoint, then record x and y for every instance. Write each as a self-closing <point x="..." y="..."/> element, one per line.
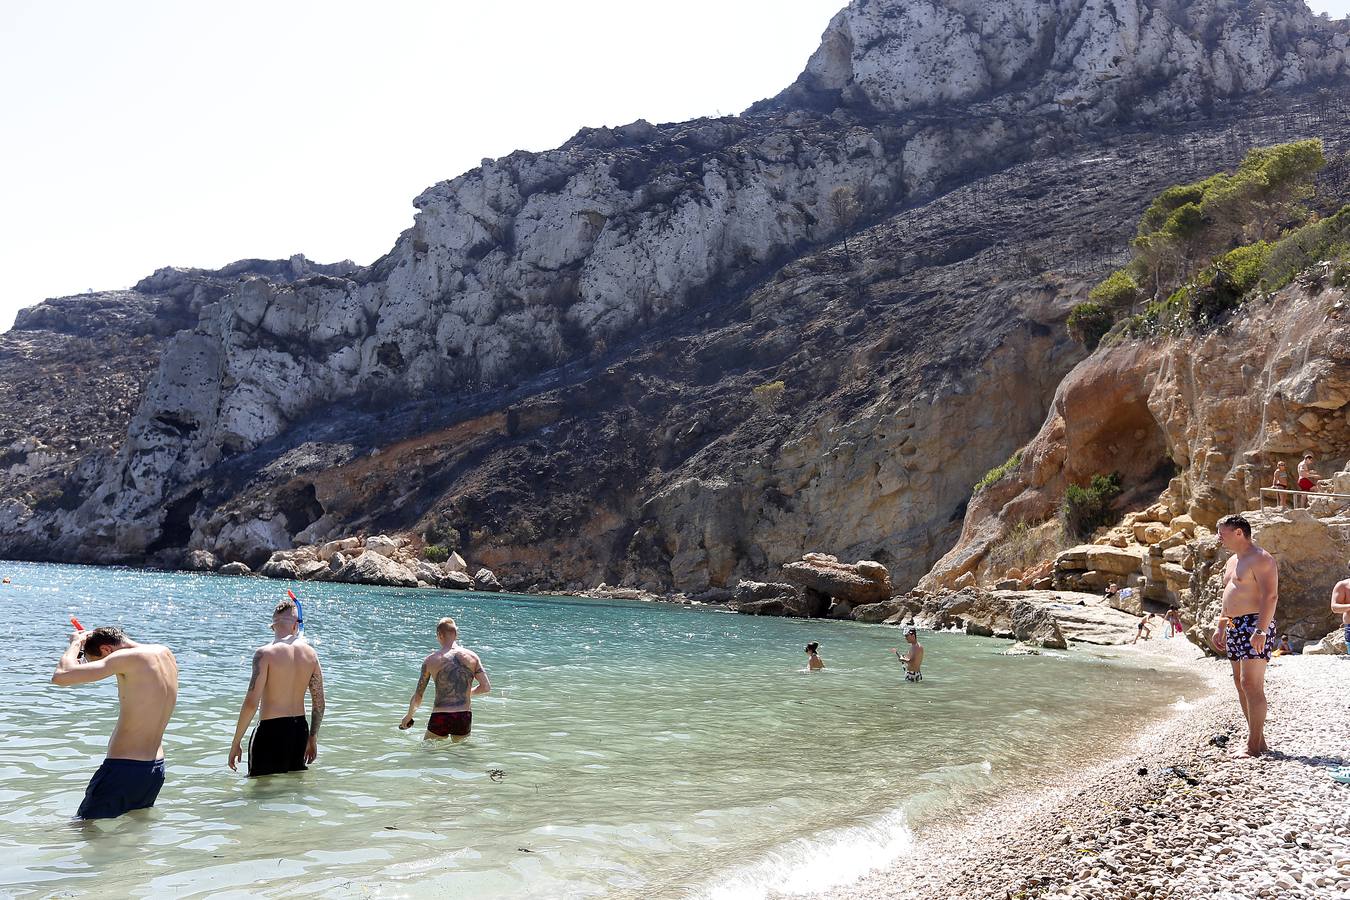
<point x="627" y="749"/>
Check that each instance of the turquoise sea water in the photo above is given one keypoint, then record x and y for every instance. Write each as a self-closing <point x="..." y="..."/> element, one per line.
<point x="643" y="750"/>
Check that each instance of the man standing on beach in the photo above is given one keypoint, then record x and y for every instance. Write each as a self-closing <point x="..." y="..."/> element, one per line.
<point x="1246" y="631"/>
<point x="455" y="670"/>
<point x="147" y="689"/>
<point x="1340" y="603"/>
<point x="282" y="672"/>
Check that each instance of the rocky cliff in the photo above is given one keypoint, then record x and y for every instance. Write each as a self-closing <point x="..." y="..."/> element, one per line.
<point x="647" y="357"/>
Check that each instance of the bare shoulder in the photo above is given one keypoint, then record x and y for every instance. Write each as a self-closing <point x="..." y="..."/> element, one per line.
<point x="1267" y="560"/>
<point x="472" y="659"/>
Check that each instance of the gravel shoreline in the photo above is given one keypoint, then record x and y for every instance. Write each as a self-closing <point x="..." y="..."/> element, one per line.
<point x="1198" y="823"/>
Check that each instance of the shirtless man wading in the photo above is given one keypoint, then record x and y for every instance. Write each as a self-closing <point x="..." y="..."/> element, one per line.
<point x="455" y="670"/>
<point x="282" y="672"/>
<point x="1246" y="632"/>
<point x="147" y="689"/>
<point x="914" y="660"/>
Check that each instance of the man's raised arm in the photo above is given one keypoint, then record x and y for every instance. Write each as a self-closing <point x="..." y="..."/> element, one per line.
<point x="249" y="708"/>
<point x="70" y="671"/>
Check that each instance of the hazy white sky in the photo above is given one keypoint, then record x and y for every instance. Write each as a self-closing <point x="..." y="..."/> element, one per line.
<point x="143" y="133"/>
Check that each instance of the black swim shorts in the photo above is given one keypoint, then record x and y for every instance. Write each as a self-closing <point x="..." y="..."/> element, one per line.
<point x="121" y="785"/>
<point x="278" y="745"/>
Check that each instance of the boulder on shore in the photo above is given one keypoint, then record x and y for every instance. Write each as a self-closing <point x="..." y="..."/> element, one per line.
<point x="201" y="561"/>
<point x="235" y="568"/>
<point x="1331" y="645"/>
<point x="343" y="545"/>
<point x="484" y="580"/>
<point x="759" y="598"/>
<point x="373" y="568"/>
<point x="857" y="584"/>
<point x="457" y="581"/>
<point x="382" y="544"/>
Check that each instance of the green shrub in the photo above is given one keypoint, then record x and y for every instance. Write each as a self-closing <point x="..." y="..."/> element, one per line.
<point x="997" y="474"/>
<point x="1119" y="290"/>
<point x="768" y="396"/>
<point x="1088" y="322"/>
<point x="1088" y="508"/>
<point x="435" y="553"/>
<point x="1328" y="238"/>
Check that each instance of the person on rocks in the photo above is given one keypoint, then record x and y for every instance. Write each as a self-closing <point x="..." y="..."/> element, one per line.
<point x="1307" y="477"/>
<point x="1246" y="629"/>
<point x="1174" y="624"/>
<point x="1340" y="603"/>
<point x="147" y="690"/>
<point x="813" y="661"/>
<point x="282" y="672"/>
<point x="1144" y="628"/>
<point x="1285" y="647"/>
<point x="455" y="670"/>
<point x="1280" y="481"/>
<point x="914" y="659"/>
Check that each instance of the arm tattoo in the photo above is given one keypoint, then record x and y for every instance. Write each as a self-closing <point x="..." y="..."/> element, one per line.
<point x="316" y="700"/>
<point x="422" y="681"/>
<point x="257" y="670"/>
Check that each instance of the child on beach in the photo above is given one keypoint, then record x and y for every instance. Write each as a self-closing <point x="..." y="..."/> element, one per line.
<point x="813" y="660"/>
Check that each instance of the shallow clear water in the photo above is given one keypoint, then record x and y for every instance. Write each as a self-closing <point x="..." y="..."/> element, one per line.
<point x="647" y="750"/>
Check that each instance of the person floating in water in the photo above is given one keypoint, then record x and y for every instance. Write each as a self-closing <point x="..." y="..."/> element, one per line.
<point x="147" y="690"/>
<point x="813" y="661"/>
<point x="1246" y="630"/>
<point x="455" y="669"/>
<point x="914" y="660"/>
<point x="282" y="672"/>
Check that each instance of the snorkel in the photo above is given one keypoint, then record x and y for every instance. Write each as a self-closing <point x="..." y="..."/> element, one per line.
<point x="299" y="610"/>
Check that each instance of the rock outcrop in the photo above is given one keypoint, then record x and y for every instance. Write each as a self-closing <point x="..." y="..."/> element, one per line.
<point x="758" y="598"/>
<point x="668" y="309"/>
<point x="1003" y="615"/>
<point x="1200" y="419"/>
<point x="1096" y="60"/>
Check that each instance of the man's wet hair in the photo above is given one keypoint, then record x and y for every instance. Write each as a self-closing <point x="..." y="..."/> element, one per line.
<point x="446" y="625"/>
<point x="105" y="636"/>
<point x="1239" y="523"/>
<point x="813" y="647"/>
<point x="284" y="606"/>
<point x="913" y="631"/>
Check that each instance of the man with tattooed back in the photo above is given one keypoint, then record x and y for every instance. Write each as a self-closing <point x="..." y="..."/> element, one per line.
<point x="282" y="672"/>
<point x="454" y="669"/>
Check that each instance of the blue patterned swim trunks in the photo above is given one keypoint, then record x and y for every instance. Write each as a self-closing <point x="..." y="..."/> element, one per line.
<point x="1239" y="638"/>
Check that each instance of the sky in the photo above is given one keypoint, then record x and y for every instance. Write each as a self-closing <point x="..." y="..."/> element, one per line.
<point x="145" y="133"/>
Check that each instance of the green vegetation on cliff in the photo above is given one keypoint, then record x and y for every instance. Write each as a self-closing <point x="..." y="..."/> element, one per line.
<point x="1088" y="508"/>
<point x="1202" y="248"/>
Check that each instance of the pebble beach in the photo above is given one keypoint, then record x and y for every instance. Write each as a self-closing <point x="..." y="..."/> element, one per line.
<point x="1175" y="815"/>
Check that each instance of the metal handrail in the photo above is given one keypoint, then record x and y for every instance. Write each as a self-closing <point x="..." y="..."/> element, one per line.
<point x="1292" y="493"/>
